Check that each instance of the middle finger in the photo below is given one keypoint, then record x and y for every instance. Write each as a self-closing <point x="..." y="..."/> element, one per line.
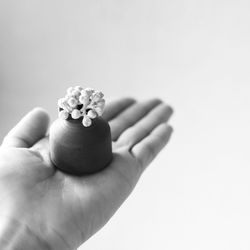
<point x="130" y="116"/>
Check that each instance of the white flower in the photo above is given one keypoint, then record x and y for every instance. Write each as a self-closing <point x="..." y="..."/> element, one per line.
<point x="63" y="114"/>
<point x="79" y="88"/>
<point x="99" y="110"/>
<point x="72" y="102"/>
<point x="86" y="121"/>
<point x="92" y="114"/>
<point x="79" y="102"/>
<point x="65" y="106"/>
<point x="99" y="94"/>
<point x="89" y="91"/>
<point x="101" y="103"/>
<point x="75" y="114"/>
<point x="84" y="100"/>
<point x="60" y="102"/>
<point x="75" y="93"/>
<point x="69" y="90"/>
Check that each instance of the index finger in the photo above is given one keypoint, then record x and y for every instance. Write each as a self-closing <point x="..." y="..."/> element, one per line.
<point x="115" y="107"/>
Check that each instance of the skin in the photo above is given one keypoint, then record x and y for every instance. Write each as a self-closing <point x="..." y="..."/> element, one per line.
<point x="44" y="208"/>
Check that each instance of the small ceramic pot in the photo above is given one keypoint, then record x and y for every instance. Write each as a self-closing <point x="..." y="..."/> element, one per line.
<point x="80" y="150"/>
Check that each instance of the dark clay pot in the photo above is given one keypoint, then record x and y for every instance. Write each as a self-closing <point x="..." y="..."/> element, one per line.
<point x="80" y="150"/>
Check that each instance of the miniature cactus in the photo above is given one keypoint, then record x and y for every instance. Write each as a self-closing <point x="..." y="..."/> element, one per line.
<point x="80" y="140"/>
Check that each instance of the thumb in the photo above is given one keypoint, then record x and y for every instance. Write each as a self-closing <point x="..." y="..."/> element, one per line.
<point x="31" y="128"/>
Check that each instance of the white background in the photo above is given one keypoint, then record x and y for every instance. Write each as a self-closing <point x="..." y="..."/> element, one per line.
<point x="193" y="54"/>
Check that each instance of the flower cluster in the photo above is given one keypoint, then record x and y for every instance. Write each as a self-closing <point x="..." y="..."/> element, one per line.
<point x="79" y="102"/>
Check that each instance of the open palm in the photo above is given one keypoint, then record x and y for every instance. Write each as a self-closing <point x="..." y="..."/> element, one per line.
<point x="50" y="209"/>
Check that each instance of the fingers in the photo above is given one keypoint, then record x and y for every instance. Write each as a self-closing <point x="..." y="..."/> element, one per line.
<point x="115" y="107"/>
<point x="29" y="130"/>
<point x="146" y="150"/>
<point x="131" y="136"/>
<point x="130" y="116"/>
<point x="109" y="188"/>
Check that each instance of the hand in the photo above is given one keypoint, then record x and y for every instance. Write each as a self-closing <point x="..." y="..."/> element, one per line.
<point x="43" y="208"/>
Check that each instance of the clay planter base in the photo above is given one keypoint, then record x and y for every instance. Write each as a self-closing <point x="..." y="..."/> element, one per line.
<point x="80" y="150"/>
